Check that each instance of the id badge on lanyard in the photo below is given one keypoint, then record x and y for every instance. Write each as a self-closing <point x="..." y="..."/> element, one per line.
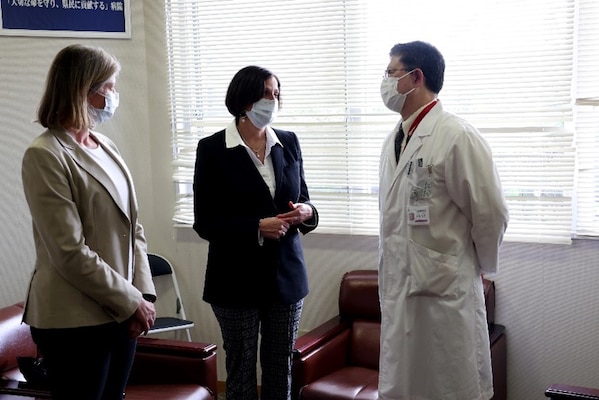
<point x="421" y="190"/>
<point x="419" y="214"/>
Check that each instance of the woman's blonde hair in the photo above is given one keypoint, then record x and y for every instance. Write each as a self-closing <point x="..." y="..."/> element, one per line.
<point x="76" y="71"/>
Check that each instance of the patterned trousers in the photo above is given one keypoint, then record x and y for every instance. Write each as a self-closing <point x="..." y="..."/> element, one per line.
<point x="278" y="326"/>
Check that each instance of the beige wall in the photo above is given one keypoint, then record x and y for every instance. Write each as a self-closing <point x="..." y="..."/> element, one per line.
<point x="547" y="295"/>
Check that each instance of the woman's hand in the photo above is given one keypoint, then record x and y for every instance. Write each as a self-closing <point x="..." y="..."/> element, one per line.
<point x="299" y="213"/>
<point x="143" y="319"/>
<point x="273" y="227"/>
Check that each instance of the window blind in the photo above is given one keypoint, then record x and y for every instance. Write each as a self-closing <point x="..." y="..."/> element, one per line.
<point x="586" y="222"/>
<point x="512" y="74"/>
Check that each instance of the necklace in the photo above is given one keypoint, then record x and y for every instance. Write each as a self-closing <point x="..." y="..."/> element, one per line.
<point x="258" y="150"/>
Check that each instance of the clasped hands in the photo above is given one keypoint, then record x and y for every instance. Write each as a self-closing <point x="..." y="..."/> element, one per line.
<point x="142" y="320"/>
<point x="276" y="227"/>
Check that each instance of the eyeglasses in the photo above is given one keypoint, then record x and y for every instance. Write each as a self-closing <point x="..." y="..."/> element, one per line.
<point x="390" y="72"/>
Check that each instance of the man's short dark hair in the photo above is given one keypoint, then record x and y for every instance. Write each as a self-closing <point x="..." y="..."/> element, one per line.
<point x="424" y="56"/>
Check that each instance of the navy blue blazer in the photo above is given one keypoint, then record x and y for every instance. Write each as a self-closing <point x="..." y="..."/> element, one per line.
<point x="230" y="198"/>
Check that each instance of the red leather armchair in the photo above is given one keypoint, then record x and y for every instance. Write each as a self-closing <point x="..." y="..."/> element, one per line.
<point x="163" y="369"/>
<point x="568" y="392"/>
<point x="339" y="359"/>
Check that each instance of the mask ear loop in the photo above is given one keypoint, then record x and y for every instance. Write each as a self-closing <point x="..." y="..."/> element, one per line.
<point x="243" y="114"/>
<point x="408" y="73"/>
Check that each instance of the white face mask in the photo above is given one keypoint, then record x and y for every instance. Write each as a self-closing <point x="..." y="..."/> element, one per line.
<point x="111" y="103"/>
<point x="391" y="97"/>
<point x="263" y="112"/>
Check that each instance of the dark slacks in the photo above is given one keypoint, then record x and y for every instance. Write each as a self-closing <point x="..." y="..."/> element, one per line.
<point x="87" y="363"/>
<point x="278" y="326"/>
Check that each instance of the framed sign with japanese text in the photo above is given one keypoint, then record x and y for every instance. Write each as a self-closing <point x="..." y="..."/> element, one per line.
<point x="66" y="18"/>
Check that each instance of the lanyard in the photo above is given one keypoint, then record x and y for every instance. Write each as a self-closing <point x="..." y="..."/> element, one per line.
<point x="421" y="116"/>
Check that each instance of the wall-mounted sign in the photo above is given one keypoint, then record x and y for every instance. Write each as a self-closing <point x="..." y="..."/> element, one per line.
<point x="66" y="18"/>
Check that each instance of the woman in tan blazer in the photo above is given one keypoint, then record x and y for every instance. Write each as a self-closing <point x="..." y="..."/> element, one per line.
<point x="91" y="292"/>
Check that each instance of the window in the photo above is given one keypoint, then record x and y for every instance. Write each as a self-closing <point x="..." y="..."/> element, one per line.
<point x="528" y="80"/>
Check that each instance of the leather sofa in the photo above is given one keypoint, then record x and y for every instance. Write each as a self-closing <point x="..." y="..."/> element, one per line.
<point x="163" y="369"/>
<point x="558" y="391"/>
<point x="339" y="359"/>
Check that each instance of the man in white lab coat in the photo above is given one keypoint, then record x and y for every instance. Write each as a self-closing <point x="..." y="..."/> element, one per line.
<point x="442" y="219"/>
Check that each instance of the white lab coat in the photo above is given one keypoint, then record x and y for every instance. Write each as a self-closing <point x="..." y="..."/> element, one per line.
<point x="434" y="337"/>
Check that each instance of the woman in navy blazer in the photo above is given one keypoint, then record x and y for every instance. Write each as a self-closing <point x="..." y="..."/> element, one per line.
<point x="250" y="203"/>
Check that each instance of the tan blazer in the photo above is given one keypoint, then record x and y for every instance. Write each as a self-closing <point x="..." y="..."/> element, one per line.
<point x="83" y="237"/>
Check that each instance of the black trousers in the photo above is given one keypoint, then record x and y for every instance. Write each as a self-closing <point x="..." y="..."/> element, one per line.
<point x="87" y="363"/>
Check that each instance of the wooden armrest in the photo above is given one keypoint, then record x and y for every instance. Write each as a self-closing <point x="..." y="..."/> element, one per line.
<point x="568" y="392"/>
<point x="166" y="346"/>
<point x="18" y="388"/>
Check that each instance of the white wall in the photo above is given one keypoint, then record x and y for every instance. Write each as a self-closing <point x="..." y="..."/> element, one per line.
<point x="547" y="296"/>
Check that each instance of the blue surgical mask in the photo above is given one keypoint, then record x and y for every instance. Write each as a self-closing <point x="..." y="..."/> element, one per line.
<point x="263" y="112"/>
<point x="110" y="105"/>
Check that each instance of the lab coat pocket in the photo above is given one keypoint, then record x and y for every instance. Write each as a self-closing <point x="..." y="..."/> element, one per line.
<point x="431" y="273"/>
<point x="421" y="183"/>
